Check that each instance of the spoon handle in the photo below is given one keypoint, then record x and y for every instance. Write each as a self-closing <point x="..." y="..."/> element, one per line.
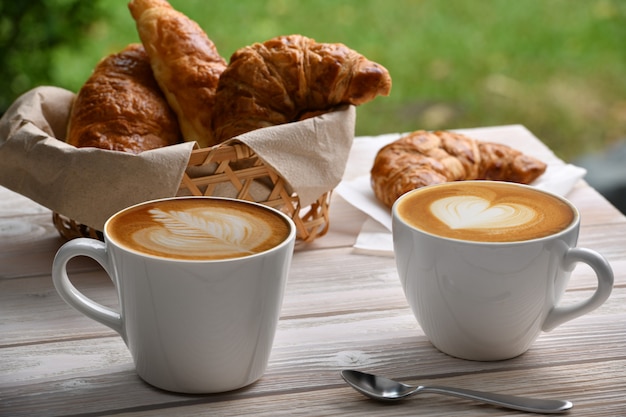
<point x="533" y="405"/>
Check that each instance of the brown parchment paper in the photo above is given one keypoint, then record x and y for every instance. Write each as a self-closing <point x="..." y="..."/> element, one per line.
<point x="88" y="185"/>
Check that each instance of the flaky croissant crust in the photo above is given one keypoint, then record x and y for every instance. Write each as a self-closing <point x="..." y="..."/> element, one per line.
<point x="185" y="62"/>
<point x="290" y="77"/>
<point x="120" y="107"/>
<point x="424" y="158"/>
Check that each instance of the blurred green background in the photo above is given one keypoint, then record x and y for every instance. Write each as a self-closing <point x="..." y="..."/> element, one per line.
<point x="556" y="66"/>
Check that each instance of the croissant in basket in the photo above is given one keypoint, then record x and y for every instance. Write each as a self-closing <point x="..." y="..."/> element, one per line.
<point x="424" y="158"/>
<point x="289" y="78"/>
<point x="185" y="62"/>
<point x="120" y="107"/>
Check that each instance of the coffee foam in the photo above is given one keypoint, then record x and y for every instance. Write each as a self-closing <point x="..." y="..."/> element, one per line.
<point x="200" y="229"/>
<point x="485" y="211"/>
<point x="474" y="212"/>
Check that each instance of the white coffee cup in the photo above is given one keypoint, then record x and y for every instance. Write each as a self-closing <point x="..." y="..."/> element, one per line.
<point x="197" y="325"/>
<point x="478" y="298"/>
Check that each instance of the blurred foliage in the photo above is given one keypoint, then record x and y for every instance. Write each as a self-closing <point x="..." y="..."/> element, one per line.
<point x="557" y="67"/>
<point x="30" y="32"/>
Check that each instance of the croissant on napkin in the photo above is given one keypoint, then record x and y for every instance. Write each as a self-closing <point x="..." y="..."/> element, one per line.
<point x="120" y="107"/>
<point x="424" y="158"/>
<point x="288" y="78"/>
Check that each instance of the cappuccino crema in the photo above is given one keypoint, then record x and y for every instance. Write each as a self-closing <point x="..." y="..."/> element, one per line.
<point x="198" y="228"/>
<point x="485" y="211"/>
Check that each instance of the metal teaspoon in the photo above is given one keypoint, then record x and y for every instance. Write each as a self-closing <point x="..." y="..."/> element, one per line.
<point x="383" y="389"/>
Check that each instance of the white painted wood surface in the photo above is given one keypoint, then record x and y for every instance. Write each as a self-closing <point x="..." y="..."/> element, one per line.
<point x="341" y="310"/>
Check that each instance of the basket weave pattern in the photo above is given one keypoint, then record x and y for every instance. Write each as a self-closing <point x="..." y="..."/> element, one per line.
<point x="237" y="168"/>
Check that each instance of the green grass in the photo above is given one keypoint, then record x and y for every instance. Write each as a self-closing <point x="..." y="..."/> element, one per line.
<point x="556" y="66"/>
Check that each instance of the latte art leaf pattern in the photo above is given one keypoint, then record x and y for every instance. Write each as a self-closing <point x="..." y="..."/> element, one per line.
<point x="473" y="212"/>
<point x="198" y="231"/>
<point x="228" y="229"/>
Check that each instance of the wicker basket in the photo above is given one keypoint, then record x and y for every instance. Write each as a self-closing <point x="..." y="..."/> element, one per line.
<point x="238" y="171"/>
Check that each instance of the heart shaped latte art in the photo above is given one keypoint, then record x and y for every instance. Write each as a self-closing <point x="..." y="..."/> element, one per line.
<point x="473" y="212"/>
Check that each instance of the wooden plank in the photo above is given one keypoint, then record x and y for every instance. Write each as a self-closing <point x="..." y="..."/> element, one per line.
<point x="31" y="311"/>
<point x="343" y="401"/>
<point x="379" y="339"/>
<point x="308" y="369"/>
<point x="593" y="207"/>
<point x="321" y="283"/>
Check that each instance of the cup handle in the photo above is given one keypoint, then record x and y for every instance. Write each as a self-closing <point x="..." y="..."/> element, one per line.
<point x="96" y="250"/>
<point x="560" y="314"/>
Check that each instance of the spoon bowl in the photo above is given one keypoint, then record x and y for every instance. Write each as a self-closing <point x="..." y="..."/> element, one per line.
<point x="383" y="389"/>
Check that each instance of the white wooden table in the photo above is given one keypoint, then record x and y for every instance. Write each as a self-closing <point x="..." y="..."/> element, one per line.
<point x="341" y="310"/>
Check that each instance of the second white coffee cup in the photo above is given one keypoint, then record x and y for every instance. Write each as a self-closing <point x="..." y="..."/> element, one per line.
<point x="484" y="265"/>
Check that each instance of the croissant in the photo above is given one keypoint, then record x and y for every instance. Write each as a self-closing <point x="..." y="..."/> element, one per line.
<point x="185" y="62"/>
<point x="120" y="107"/>
<point x="288" y="78"/>
<point x="424" y="158"/>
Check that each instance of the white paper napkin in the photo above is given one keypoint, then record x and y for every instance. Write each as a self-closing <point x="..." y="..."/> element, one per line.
<point x="375" y="235"/>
